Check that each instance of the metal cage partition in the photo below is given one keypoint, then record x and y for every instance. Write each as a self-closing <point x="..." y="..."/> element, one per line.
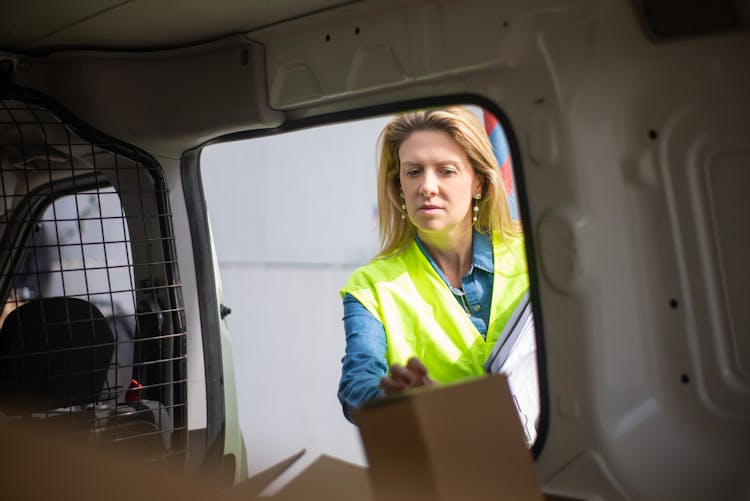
<point x="92" y="330"/>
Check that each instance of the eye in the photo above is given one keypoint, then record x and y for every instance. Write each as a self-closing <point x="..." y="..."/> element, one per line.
<point x="448" y="170"/>
<point x="412" y="171"/>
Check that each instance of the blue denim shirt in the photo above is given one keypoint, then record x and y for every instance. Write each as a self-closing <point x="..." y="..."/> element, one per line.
<point x="364" y="361"/>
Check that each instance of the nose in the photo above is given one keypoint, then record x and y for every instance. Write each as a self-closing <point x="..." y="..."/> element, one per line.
<point x="429" y="186"/>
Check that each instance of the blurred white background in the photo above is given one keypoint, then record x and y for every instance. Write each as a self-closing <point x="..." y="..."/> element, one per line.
<point x="292" y="216"/>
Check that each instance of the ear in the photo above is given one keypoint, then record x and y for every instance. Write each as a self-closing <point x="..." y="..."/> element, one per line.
<point x="478" y="186"/>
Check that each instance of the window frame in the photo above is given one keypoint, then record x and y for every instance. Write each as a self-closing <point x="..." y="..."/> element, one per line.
<point x="198" y="216"/>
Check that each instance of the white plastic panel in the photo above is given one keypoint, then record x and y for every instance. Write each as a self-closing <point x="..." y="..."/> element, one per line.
<point x="707" y="157"/>
<point x="196" y="369"/>
<point x="657" y="134"/>
<point x="164" y="102"/>
<point x="373" y="45"/>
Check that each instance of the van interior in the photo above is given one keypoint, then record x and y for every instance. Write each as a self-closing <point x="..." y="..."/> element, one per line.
<point x="124" y="220"/>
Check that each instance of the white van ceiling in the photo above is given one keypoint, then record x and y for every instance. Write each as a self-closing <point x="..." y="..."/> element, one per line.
<point x="39" y="26"/>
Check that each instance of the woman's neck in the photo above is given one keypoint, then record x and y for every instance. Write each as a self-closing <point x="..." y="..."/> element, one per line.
<point x="452" y="253"/>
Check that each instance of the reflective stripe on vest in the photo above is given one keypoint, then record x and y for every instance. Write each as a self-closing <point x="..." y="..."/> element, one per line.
<point x="421" y="316"/>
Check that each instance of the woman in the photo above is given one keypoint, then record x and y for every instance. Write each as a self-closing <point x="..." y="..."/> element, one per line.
<point x="451" y="268"/>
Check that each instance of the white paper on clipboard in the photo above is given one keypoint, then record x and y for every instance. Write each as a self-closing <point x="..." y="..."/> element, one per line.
<point x="514" y="354"/>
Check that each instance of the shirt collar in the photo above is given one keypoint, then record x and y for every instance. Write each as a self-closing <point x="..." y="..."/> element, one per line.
<point x="481" y="253"/>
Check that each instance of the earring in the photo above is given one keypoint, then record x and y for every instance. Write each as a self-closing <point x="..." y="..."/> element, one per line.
<point x="403" y="206"/>
<point x="476" y="207"/>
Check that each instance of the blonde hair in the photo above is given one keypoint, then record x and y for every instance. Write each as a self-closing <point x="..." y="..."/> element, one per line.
<point x="397" y="233"/>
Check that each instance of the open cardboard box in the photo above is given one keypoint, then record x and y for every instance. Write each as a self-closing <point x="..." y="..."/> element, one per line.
<point x="457" y="442"/>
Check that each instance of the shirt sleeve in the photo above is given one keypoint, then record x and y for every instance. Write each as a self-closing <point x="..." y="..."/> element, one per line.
<point x="364" y="360"/>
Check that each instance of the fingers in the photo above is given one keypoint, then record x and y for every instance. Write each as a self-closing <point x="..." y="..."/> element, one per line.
<point x="390" y="386"/>
<point x="413" y="375"/>
<point x="416" y="366"/>
<point x="405" y="375"/>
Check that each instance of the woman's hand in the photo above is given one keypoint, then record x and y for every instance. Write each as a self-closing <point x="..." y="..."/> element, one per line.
<point x="413" y="375"/>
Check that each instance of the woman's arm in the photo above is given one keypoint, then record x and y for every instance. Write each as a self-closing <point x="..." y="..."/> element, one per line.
<point x="364" y="362"/>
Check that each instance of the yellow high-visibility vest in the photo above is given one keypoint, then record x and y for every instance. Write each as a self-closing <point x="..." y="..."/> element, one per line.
<point x="422" y="317"/>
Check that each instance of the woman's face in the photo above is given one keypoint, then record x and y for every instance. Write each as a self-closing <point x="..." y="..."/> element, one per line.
<point x="437" y="181"/>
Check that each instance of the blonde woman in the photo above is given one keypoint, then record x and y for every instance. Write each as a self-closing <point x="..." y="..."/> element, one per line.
<point x="451" y="270"/>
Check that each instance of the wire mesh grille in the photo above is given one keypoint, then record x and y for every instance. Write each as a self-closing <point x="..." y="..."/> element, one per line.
<point x="92" y="332"/>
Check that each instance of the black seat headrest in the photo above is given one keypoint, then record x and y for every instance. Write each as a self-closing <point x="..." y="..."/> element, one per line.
<point x="54" y="352"/>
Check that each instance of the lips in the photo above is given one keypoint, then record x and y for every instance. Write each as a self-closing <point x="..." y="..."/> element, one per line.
<point x="429" y="208"/>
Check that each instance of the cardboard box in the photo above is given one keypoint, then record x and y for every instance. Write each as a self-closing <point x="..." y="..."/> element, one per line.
<point x="457" y="442"/>
<point x="37" y="464"/>
<point x="328" y="479"/>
